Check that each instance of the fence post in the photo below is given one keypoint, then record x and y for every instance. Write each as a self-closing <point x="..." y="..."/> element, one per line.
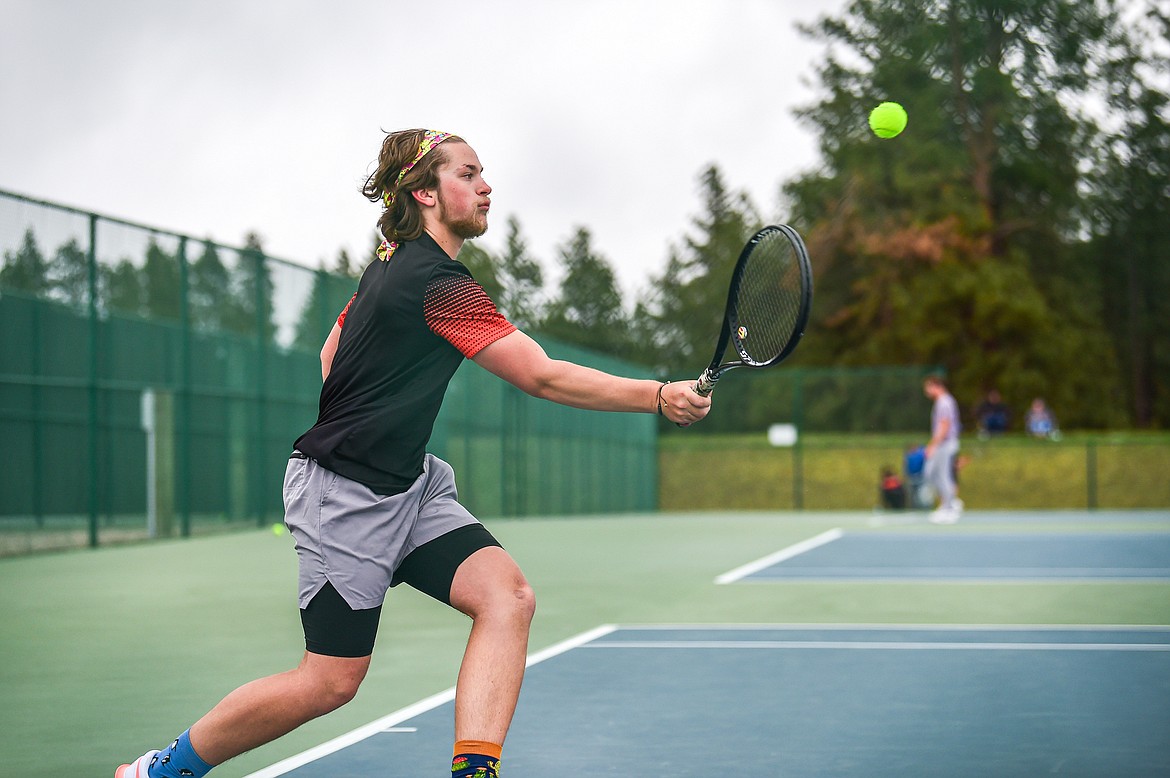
<point x="92" y="497"/>
<point x="260" y="457"/>
<point x="38" y="421"/>
<point x="183" y="423"/>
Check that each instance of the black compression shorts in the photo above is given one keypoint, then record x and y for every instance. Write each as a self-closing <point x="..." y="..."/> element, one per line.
<point x="332" y="628"/>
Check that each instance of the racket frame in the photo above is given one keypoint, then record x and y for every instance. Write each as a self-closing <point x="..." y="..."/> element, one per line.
<point x="728" y="334"/>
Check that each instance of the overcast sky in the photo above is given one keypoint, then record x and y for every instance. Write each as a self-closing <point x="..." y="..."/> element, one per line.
<point x="215" y="118"/>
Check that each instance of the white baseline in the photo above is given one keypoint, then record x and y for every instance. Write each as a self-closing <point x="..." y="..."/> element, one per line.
<point x="389" y="723"/>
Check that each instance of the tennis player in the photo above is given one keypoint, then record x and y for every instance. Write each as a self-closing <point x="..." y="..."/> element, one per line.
<point x="939" y="470"/>
<point x="370" y="509"/>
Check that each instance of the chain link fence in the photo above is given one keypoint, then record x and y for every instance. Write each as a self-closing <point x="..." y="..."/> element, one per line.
<point x="152" y="384"/>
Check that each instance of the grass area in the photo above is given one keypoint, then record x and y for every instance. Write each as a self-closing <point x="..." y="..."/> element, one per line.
<point x="112" y="651"/>
<point x="682" y="440"/>
<point x="840" y="472"/>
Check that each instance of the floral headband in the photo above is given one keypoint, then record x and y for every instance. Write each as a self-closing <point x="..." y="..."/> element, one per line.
<point x="431" y="138"/>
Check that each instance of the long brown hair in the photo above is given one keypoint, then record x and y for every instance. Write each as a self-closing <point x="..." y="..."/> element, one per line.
<point x="403" y="219"/>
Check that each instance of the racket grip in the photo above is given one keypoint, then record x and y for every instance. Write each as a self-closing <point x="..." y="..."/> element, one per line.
<point x="703" y="386"/>
<point x="706" y="383"/>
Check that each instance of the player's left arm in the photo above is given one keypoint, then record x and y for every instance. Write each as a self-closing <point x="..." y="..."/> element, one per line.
<point x="329" y="350"/>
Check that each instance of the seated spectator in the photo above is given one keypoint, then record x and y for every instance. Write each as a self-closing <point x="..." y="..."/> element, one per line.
<point x="1040" y="423"/>
<point x="893" y="492"/>
<point x="992" y="415"/>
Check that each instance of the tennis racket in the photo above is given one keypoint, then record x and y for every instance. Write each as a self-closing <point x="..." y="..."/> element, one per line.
<point x="767" y="305"/>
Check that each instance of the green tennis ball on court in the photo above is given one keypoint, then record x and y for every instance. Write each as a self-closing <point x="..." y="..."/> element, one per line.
<point x="278" y="529"/>
<point x="887" y="120"/>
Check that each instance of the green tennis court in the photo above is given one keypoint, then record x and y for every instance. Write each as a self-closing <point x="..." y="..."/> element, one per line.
<point x="111" y="651"/>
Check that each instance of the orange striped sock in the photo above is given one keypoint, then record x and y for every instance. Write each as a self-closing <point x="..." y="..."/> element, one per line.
<point x="476" y="759"/>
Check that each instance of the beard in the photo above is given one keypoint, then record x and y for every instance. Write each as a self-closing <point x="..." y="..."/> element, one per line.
<point x="471" y="226"/>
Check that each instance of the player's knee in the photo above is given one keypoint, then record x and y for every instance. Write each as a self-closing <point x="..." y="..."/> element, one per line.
<point x="525" y="602"/>
<point x="515" y="603"/>
<point x="330" y="683"/>
<point x="336" y="691"/>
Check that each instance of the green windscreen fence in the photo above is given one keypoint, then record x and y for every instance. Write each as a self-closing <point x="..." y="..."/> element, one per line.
<point x="151" y="385"/>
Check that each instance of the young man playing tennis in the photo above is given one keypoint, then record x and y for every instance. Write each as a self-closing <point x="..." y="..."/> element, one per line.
<point x="369" y="508"/>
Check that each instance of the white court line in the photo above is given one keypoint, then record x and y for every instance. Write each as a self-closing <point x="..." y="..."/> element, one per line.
<point x="784" y="553"/>
<point x="410" y="711"/>
<point x="978" y="571"/>
<point x="877" y="645"/>
<point x="571" y="643"/>
<point x="872" y="626"/>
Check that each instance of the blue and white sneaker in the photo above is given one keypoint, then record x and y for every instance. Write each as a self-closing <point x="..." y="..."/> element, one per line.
<point x="139" y="768"/>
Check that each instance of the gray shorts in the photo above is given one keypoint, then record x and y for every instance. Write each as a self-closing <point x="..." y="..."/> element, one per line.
<point x="354" y="538"/>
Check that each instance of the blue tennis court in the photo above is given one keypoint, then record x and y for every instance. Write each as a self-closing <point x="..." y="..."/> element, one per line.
<point x="809" y="701"/>
<point x="970" y="556"/>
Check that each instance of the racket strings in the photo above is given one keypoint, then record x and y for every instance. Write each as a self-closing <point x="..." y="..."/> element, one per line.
<point x="768" y="301"/>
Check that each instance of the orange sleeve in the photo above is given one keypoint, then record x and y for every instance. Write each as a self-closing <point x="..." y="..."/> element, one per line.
<point x="341" y="317"/>
<point x="458" y="309"/>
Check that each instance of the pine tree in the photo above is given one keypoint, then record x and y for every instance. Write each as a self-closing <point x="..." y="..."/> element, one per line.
<point x="25" y="270"/>
<point x="69" y="274"/>
<point x="678" y="320"/>
<point x="209" y="289"/>
<point x="161" y="283"/>
<point x="482" y="265"/>
<point x="1129" y="212"/>
<point x="317" y="315"/>
<point x="250" y="311"/>
<point x="345" y="266"/>
<point x="121" y="288"/>
<point x="588" y="308"/>
<point x="521" y="280"/>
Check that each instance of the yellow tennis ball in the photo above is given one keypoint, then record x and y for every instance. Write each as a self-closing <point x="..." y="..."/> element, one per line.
<point x="278" y="529"/>
<point x="887" y="120"/>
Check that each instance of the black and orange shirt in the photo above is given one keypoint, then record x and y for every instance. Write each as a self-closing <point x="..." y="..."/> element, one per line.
<point x="414" y="319"/>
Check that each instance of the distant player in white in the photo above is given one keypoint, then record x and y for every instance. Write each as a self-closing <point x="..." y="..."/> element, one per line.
<point x="941" y="451"/>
